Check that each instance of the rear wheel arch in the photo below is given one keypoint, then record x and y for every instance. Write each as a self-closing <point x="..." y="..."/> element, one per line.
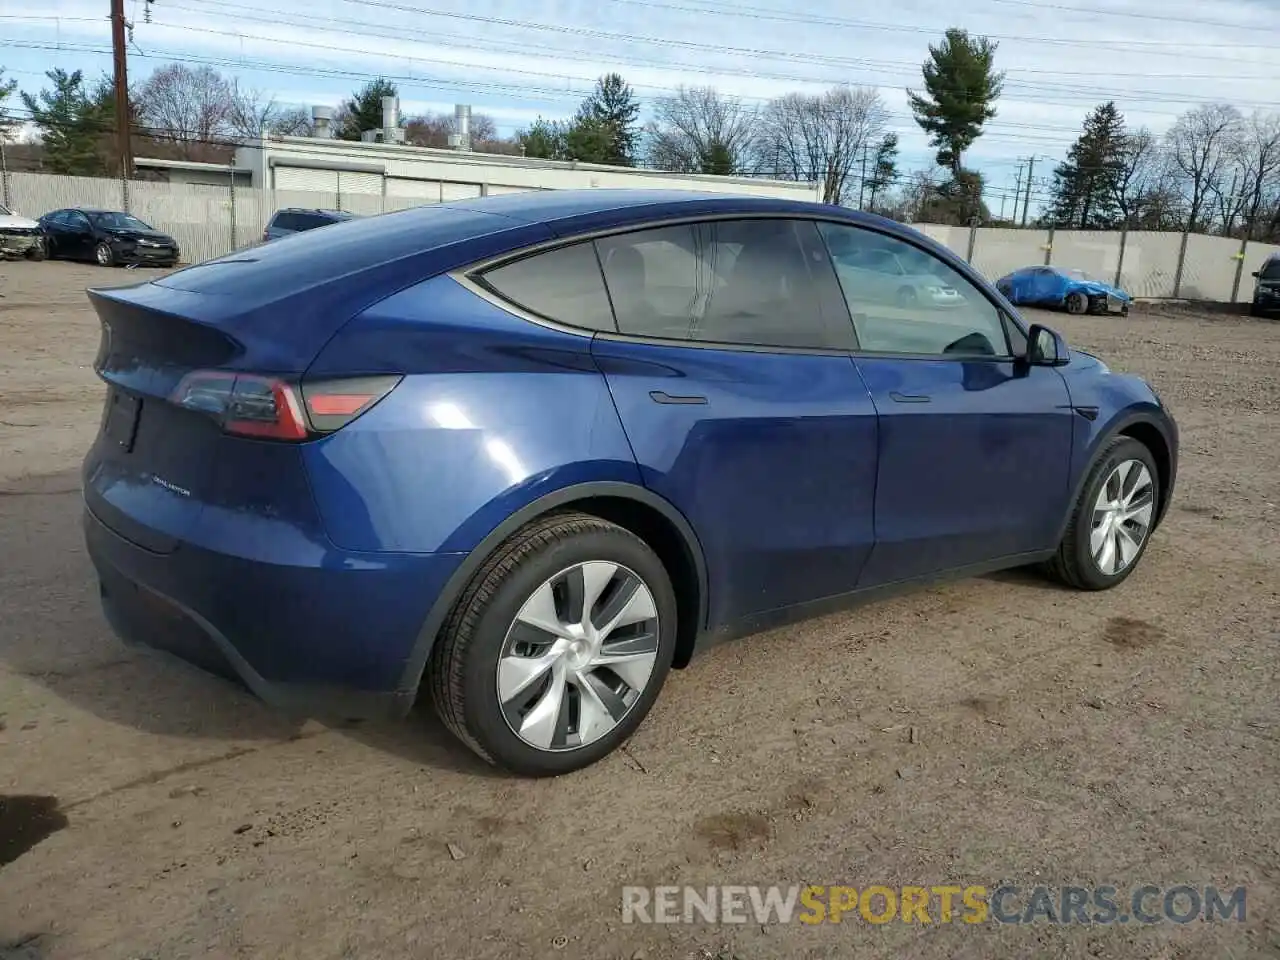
<point x="650" y="517"/>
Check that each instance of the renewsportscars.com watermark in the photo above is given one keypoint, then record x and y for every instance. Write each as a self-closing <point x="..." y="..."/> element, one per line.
<point x="944" y="903"/>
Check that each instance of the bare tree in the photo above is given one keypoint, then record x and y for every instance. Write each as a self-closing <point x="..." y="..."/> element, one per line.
<point x="291" y="122"/>
<point x="186" y="105"/>
<point x="1201" y="144"/>
<point x="1142" y="164"/>
<point x="909" y="203"/>
<point x="1257" y="159"/>
<point x="700" y="131"/>
<point x="803" y="137"/>
<point x="250" y="111"/>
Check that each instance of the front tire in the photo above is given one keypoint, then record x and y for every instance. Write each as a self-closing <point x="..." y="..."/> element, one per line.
<point x="37" y="250"/>
<point x="1077" y="303"/>
<point x="557" y="649"/>
<point x="103" y="255"/>
<point x="1111" y="524"/>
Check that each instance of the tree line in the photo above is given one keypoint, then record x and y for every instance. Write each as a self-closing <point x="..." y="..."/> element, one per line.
<point x="1214" y="169"/>
<point x="838" y="138"/>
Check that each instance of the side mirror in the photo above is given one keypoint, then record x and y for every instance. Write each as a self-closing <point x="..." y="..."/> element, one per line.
<point x="1046" y="348"/>
<point x="1256" y="273"/>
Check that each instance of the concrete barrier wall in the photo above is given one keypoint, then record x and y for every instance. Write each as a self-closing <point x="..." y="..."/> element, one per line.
<point x="210" y="221"/>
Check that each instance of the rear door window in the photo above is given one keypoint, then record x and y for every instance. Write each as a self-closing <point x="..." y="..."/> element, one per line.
<point x="563" y="285"/>
<point x="741" y="282"/>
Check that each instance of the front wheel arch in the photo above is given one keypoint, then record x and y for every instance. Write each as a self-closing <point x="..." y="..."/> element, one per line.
<point x="1144" y="427"/>
<point x="645" y="514"/>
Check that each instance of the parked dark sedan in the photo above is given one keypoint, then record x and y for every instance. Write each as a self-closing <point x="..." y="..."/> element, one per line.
<point x="107" y="237"/>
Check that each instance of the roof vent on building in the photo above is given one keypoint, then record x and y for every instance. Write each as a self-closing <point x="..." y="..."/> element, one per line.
<point x="391" y="131"/>
<point x="460" y="139"/>
<point x="322" y="122"/>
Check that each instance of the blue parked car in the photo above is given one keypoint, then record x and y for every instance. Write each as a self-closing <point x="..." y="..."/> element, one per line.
<point x="1073" y="290"/>
<point x="526" y="453"/>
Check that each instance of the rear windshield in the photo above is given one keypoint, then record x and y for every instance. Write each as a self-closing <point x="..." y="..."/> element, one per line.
<point x="1271" y="270"/>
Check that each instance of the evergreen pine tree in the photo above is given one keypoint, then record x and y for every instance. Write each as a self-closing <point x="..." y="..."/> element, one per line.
<point x="604" y="130"/>
<point x="364" y="110"/>
<point x="961" y="88"/>
<point x="1085" y="184"/>
<point x="73" y="122"/>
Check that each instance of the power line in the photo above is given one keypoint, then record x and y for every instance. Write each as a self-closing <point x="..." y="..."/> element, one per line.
<point x="909" y="68"/>
<point x="436" y="84"/>
<point x="1161" y="17"/>
<point x="1085" y="93"/>
<point x="765" y="13"/>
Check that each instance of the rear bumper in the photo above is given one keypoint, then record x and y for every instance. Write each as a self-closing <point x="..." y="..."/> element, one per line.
<point x="339" y="639"/>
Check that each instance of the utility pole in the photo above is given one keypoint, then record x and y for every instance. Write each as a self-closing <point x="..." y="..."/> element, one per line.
<point x="1017" y="194"/>
<point x="1026" y="203"/>
<point x="862" y="186"/>
<point x="123" y="146"/>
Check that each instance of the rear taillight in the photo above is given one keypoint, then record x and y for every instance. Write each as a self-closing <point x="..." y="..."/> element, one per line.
<point x="269" y="408"/>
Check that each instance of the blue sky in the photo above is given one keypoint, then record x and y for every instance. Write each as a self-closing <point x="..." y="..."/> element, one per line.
<point x="516" y="60"/>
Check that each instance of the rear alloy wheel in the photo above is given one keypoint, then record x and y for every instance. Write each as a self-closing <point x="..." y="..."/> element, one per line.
<point x="1111" y="525"/>
<point x="104" y="255"/>
<point x="558" y="648"/>
<point x="1077" y="303"/>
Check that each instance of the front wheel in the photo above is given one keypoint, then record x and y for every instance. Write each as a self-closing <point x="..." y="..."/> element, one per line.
<point x="558" y="648"/>
<point x="1112" y="520"/>
<point x="104" y="255"/>
<point x="37" y="250"/>
<point x="1077" y="303"/>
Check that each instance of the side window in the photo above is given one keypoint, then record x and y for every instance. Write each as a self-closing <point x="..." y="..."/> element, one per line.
<point x="920" y="306"/>
<point x="285" y="221"/>
<point x="78" y="220"/>
<point x="742" y="282"/>
<point x="563" y="284"/>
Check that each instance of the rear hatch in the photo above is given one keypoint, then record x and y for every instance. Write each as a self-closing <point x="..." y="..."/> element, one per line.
<point x="178" y="353"/>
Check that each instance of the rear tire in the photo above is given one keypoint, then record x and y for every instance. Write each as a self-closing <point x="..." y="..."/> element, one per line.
<point x="1082" y="558"/>
<point x="1077" y="303"/>
<point x="517" y="635"/>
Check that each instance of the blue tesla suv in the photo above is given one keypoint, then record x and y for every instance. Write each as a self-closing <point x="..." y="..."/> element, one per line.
<point x="527" y="453"/>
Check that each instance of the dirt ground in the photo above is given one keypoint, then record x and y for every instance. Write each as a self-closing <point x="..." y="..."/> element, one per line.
<point x="997" y="729"/>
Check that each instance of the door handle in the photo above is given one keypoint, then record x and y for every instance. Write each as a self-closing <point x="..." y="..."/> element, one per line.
<point x="661" y="396"/>
<point x="897" y="397"/>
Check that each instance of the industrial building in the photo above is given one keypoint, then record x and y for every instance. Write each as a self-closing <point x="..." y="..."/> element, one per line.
<point x="382" y="165"/>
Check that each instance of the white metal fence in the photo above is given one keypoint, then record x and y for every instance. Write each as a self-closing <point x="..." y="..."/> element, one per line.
<point x="209" y="221"/>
